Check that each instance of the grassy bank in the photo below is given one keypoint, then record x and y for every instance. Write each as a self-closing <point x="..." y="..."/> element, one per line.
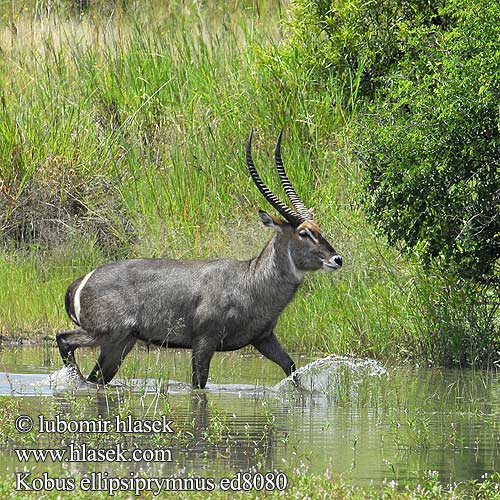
<point x="123" y="130"/>
<point x="308" y="486"/>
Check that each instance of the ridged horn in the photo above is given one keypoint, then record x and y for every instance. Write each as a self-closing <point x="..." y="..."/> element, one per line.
<point x="286" y="212"/>
<point x="287" y="185"/>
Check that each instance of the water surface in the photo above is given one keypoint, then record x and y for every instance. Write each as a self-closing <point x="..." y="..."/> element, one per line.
<point x="350" y="416"/>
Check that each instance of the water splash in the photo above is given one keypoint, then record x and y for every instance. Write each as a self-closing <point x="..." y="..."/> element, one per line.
<point x="68" y="378"/>
<point x="40" y="384"/>
<point x="332" y="376"/>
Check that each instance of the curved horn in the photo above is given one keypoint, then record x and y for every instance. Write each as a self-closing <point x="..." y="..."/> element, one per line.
<point x="287" y="185"/>
<point x="288" y="214"/>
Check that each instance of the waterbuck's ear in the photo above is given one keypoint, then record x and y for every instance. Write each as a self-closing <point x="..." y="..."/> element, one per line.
<point x="270" y="221"/>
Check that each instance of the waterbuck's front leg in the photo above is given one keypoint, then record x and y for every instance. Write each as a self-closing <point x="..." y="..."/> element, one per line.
<point x="110" y="359"/>
<point x="201" y="355"/>
<point x="271" y="348"/>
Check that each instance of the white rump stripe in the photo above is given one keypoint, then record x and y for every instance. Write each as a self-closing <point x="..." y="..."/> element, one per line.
<point x="76" y="302"/>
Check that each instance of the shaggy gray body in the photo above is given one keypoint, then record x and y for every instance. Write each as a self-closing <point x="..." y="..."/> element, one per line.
<point x="205" y="305"/>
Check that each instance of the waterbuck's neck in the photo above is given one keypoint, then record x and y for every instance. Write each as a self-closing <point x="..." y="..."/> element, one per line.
<point x="274" y="270"/>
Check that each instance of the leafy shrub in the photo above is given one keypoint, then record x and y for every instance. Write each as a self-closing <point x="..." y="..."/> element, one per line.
<point x="431" y="144"/>
<point x="430" y="71"/>
<point x="332" y="40"/>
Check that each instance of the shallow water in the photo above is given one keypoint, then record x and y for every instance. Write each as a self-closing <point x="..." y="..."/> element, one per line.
<point x="348" y="415"/>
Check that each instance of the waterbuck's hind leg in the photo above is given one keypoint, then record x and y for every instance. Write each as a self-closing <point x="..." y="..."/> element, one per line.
<point x="271" y="348"/>
<point x="110" y="359"/>
<point x="70" y="340"/>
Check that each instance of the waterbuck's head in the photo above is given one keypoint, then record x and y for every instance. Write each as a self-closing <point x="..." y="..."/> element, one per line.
<point x="307" y="248"/>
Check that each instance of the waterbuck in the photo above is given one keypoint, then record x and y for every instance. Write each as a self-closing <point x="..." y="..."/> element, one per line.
<point x="205" y="305"/>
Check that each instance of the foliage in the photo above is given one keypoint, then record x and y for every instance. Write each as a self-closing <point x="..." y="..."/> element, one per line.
<point x="459" y="330"/>
<point x="429" y="73"/>
<point x="431" y="145"/>
<point x="331" y="41"/>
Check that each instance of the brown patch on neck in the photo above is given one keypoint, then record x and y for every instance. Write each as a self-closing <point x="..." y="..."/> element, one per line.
<point x="277" y="220"/>
<point x="309" y="224"/>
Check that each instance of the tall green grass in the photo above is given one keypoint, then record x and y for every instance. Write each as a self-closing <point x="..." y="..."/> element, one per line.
<point x="123" y="129"/>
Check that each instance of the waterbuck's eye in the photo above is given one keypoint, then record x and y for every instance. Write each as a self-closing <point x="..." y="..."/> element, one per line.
<point x="306" y="233"/>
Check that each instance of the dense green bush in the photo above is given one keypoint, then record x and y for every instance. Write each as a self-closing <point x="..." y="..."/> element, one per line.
<point x="430" y="141"/>
<point x="429" y="72"/>
<point x="332" y="42"/>
<point x="431" y="145"/>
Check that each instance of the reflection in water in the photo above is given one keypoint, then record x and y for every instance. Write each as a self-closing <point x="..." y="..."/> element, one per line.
<point x="346" y="414"/>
